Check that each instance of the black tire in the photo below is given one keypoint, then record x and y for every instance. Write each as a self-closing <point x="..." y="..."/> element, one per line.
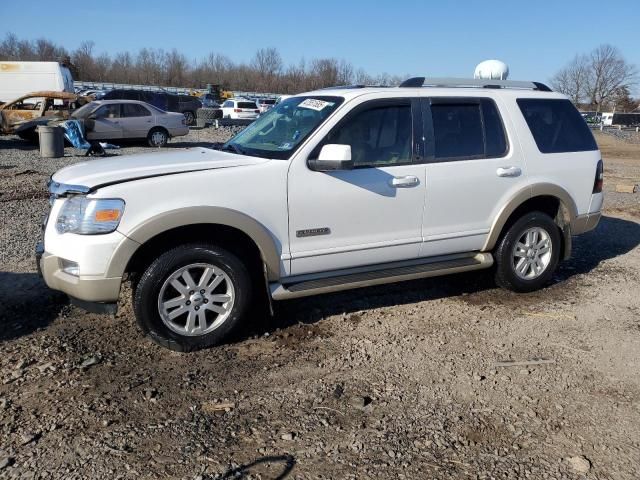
<point x="189" y="117"/>
<point x="150" y="285"/>
<point x="157" y="137"/>
<point x="208" y="113"/>
<point x="504" y="254"/>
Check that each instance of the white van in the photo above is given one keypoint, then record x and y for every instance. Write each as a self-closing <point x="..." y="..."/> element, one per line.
<point x="20" y="78"/>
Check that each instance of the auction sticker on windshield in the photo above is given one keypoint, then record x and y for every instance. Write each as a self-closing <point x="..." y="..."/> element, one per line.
<point x="314" y="104"/>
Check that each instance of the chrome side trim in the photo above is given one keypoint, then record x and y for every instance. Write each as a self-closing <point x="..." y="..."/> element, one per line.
<point x="378" y="275"/>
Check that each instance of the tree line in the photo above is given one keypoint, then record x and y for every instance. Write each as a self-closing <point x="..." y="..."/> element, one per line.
<point x="266" y="72"/>
<point x="599" y="80"/>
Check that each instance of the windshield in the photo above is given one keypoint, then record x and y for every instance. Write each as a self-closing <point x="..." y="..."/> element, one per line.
<point x="84" y="110"/>
<point x="278" y="132"/>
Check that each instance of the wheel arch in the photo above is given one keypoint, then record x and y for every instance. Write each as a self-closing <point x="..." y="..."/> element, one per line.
<point x="549" y="198"/>
<point x="158" y="127"/>
<point x="225" y="223"/>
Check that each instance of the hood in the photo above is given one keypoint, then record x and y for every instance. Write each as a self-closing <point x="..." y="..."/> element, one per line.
<point x="108" y="171"/>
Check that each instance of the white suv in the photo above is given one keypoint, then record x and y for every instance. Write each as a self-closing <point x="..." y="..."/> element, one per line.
<point x="240" y="109"/>
<point x="329" y="190"/>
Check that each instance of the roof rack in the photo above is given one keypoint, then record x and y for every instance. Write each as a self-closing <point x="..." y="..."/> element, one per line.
<point x="345" y="87"/>
<point x="472" y="82"/>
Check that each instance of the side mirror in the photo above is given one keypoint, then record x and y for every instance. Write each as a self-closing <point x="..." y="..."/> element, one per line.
<point x="332" y="157"/>
<point x="93" y="116"/>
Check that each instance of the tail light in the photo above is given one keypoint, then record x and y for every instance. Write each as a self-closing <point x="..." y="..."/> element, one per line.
<point x="237" y="110"/>
<point x="597" y="185"/>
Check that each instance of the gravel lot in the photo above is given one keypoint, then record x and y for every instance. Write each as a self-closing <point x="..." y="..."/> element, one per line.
<point x="394" y="382"/>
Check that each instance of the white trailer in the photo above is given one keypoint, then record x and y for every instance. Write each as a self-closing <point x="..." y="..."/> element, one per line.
<point x="607" y="119"/>
<point x="20" y="78"/>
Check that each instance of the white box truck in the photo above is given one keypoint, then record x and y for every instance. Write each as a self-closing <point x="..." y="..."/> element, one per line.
<point x="20" y="78"/>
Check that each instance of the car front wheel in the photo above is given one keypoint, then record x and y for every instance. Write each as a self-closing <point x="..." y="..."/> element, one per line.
<point x="528" y="253"/>
<point x="192" y="297"/>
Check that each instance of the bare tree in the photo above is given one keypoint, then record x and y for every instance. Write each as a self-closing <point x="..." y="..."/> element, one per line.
<point x="176" y="67"/>
<point x="268" y="65"/>
<point x="608" y="72"/>
<point x="265" y="73"/>
<point x="82" y="58"/>
<point x="573" y="79"/>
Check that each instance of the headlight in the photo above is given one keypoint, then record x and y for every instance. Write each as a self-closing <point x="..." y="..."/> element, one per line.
<point x="86" y="216"/>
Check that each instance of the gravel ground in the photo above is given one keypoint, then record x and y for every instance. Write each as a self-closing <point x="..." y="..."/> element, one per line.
<point x="398" y="381"/>
<point x="629" y="136"/>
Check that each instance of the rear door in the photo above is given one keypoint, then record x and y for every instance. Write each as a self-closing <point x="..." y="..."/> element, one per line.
<point x="472" y="170"/>
<point x="136" y="120"/>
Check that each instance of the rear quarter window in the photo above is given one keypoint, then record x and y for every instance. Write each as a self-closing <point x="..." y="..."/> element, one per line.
<point x="556" y="125"/>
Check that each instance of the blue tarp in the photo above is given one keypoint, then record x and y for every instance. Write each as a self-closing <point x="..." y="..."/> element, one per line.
<point x="73" y="133"/>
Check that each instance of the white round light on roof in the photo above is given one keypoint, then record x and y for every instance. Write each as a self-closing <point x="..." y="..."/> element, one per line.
<point x="491" y="70"/>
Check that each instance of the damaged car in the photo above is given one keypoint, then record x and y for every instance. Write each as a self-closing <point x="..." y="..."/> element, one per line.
<point x="22" y="115"/>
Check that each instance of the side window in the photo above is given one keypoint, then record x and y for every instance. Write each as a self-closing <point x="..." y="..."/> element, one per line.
<point x="227" y="104"/>
<point x="111" y="110"/>
<point x="378" y="136"/>
<point x="495" y="138"/>
<point x="457" y="130"/>
<point x="467" y="130"/>
<point x="134" y="110"/>
<point x="556" y="125"/>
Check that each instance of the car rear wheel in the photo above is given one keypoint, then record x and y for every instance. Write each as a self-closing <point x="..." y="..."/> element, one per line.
<point x="189" y="117"/>
<point x="192" y="297"/>
<point x="528" y="253"/>
<point x="157" y="137"/>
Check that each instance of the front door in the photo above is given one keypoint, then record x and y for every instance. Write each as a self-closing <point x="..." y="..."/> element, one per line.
<point x="106" y="124"/>
<point x="371" y="214"/>
<point x="472" y="170"/>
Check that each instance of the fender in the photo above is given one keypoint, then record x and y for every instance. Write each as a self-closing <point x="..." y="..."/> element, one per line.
<point x="567" y="212"/>
<point x="268" y="246"/>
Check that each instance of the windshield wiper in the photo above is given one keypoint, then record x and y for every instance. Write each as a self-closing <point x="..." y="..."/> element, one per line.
<point x="232" y="147"/>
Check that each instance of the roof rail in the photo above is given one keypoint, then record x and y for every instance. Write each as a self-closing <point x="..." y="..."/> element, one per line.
<point x="345" y="87"/>
<point x="472" y="82"/>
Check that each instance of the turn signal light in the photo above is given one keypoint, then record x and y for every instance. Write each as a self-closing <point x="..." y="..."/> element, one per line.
<point x="107" y="215"/>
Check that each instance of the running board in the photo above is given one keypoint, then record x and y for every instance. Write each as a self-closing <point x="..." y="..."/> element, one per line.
<point x="389" y="273"/>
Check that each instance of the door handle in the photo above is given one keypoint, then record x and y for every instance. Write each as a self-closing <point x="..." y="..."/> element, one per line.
<point x="404" y="182"/>
<point x="509" y="171"/>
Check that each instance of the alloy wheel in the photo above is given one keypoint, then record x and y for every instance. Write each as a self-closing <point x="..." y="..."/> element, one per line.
<point x="196" y="299"/>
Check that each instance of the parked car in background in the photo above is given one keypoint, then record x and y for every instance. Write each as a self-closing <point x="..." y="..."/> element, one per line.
<point x="95" y="94"/>
<point x="22" y="115"/>
<point x="130" y="119"/>
<point x="19" y="78"/>
<point x="185" y="104"/>
<point x="240" y="108"/>
<point x="265" y="104"/>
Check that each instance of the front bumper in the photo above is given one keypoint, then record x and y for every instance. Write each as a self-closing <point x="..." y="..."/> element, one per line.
<point x="84" y="288"/>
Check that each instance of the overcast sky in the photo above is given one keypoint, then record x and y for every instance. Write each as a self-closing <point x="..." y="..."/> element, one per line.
<point x="444" y="38"/>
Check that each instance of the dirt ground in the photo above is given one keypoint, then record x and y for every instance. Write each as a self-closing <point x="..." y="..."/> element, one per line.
<point x="395" y="382"/>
